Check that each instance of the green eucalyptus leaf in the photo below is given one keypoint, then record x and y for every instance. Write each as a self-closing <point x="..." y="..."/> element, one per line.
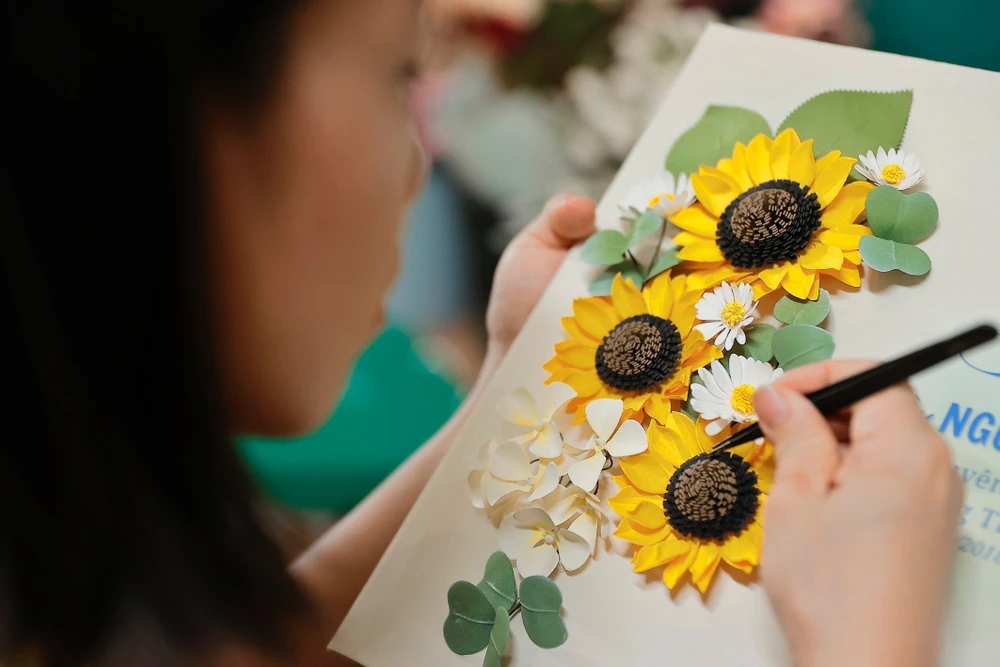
<point x="758" y="345"/>
<point x="668" y="259"/>
<point x="793" y="310"/>
<point x="645" y="225"/>
<point x="801" y="344"/>
<point x="498" y="638"/>
<point x="541" y="602"/>
<point x="602" y="284"/>
<point x="498" y="582"/>
<point x="607" y="246"/>
<point x="470" y="619"/>
<point x="713" y="138"/>
<point x="852" y="122"/>
<point x="884" y="256"/>
<point x="899" y="217"/>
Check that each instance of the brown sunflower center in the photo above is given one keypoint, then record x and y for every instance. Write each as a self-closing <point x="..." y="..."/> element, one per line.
<point x="768" y="224"/>
<point x="712" y="497"/>
<point x="639" y="353"/>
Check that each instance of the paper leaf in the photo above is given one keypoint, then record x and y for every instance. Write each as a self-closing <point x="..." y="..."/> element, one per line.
<point x="800" y="345"/>
<point x="602" y="284"/>
<point x="713" y="138"/>
<point x="498" y="638"/>
<point x="668" y="259"/>
<point x="852" y="122"/>
<point x="792" y="310"/>
<point x="884" y="256"/>
<point x="498" y="584"/>
<point x="643" y="226"/>
<point x="607" y="246"/>
<point x="900" y="217"/>
<point x="541" y="602"/>
<point x="470" y="619"/>
<point x="758" y="345"/>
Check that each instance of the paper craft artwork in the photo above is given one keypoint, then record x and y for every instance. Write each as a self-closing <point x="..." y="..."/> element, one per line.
<point x="712" y="278"/>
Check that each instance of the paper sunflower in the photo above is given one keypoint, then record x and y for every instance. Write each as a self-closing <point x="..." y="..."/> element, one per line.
<point x="688" y="511"/>
<point x="776" y="217"/>
<point x="638" y="346"/>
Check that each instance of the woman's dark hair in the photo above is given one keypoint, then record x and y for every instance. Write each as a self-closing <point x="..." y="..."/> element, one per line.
<point x="121" y="493"/>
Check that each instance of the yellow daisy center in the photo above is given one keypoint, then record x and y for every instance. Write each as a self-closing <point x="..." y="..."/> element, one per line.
<point x="893" y="174"/>
<point x="742" y="398"/>
<point x="732" y="313"/>
<point x="655" y="201"/>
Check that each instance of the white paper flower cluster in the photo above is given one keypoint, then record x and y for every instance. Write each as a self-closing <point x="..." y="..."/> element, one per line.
<point x="545" y="479"/>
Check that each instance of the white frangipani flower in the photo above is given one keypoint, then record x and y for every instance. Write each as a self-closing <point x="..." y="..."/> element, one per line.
<point x="534" y="419"/>
<point x="533" y="539"/>
<point x="609" y="439"/>
<point x="727" y="397"/>
<point x="658" y="193"/>
<point x="725" y="311"/>
<point x="509" y="470"/>
<point x="899" y="169"/>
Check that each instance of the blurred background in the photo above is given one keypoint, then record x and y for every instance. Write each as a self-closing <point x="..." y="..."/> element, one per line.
<point x="522" y="99"/>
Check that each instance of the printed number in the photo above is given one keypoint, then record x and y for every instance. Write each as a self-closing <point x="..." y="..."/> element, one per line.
<point x="977" y="549"/>
<point x="964" y="543"/>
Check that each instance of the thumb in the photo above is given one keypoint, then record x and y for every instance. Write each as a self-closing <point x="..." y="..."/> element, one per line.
<point x="805" y="448"/>
<point x="566" y="220"/>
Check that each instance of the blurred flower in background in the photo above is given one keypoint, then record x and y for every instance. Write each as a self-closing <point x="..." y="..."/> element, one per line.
<point x="541" y="96"/>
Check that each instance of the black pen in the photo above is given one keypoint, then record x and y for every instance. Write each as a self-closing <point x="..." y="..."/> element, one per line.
<point x="831" y="400"/>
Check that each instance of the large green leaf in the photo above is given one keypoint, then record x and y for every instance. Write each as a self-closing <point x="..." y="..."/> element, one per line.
<point x="668" y="259"/>
<point x="498" y="582"/>
<point x="885" y="256"/>
<point x="793" y="310"/>
<point x="607" y="246"/>
<point x="470" y="619"/>
<point x="498" y="639"/>
<point x="900" y="217"/>
<point x="602" y="284"/>
<point x="758" y="345"/>
<point x="852" y="122"/>
<point x="645" y="225"/>
<point x="801" y="344"/>
<point x="541" y="602"/>
<point x="713" y="138"/>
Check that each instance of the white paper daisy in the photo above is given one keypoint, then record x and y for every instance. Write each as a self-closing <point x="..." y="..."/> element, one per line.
<point x="899" y="169"/>
<point x="725" y="311"/>
<point x="659" y="193"/>
<point x="727" y="398"/>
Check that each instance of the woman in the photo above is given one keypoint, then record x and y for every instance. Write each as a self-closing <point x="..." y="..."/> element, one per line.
<point x="201" y="206"/>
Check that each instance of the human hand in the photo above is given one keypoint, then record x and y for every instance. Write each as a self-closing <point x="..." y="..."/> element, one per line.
<point x="529" y="263"/>
<point x="860" y="539"/>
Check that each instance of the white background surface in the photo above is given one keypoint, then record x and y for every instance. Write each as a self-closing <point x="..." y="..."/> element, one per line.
<point x="616" y="617"/>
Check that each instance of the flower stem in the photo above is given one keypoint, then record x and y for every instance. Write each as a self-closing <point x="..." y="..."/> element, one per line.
<point x="516" y="609"/>
<point x="656" y="253"/>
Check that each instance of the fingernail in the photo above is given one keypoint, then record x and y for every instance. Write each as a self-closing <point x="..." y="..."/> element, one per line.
<point x="771" y="406"/>
<point x="559" y="201"/>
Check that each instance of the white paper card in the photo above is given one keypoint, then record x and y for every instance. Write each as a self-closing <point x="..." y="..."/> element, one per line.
<point x="616" y="617"/>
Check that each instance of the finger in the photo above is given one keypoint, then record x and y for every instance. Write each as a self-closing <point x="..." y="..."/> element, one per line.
<point x="566" y="220"/>
<point x="805" y="448"/>
<point x="816" y="376"/>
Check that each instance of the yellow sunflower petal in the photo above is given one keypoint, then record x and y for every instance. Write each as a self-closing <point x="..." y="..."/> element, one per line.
<point x="577" y="333"/>
<point x="818" y="256"/>
<point x="649" y="516"/>
<point x="661" y="442"/>
<point x="709" y="278"/>
<point x="798" y="281"/>
<point x="595" y="316"/>
<point x="759" y="159"/>
<point x="628" y="498"/>
<point x="849" y="275"/>
<point x="687" y="238"/>
<point x="573" y="354"/>
<point x="831" y="179"/>
<point x="659" y="295"/>
<point x="655" y="555"/>
<point x="585" y="383"/>
<point x="675" y="569"/>
<point x="781" y="153"/>
<point x="701" y="251"/>
<point x="827" y="159"/>
<point x="697" y="220"/>
<point x="852" y="256"/>
<point x="739" y="169"/>
<point x="679" y="432"/>
<point x="847" y="237"/>
<point x="743" y="551"/>
<point x="738" y="172"/>
<point x="814" y="290"/>
<point x="847" y="206"/>
<point x="765" y="476"/>
<point x="705" y="564"/>
<point x="714" y="192"/>
<point x="802" y="166"/>
<point x="648" y="471"/>
<point x="773" y="276"/>
<point x="627" y="298"/>
<point x="632" y="532"/>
